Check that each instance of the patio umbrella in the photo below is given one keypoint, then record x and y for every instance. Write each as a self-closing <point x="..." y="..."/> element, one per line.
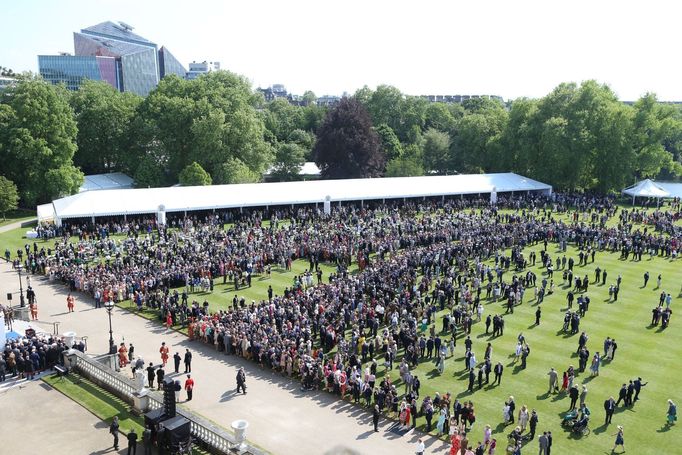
<point x="12" y="335"/>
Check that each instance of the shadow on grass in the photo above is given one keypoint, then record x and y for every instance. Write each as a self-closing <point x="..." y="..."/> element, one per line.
<point x="665" y="428"/>
<point x="601" y="429"/>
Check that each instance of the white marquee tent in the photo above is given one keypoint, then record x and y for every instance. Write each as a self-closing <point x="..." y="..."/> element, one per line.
<point x="650" y="189"/>
<point x="181" y="199"/>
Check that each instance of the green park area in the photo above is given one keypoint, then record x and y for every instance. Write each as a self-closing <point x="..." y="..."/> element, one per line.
<point x="645" y="351"/>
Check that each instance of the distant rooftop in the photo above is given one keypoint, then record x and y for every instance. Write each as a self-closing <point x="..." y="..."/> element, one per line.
<point x="120" y="31"/>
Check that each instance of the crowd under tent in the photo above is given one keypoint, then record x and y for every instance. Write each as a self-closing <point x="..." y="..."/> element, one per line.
<point x="650" y="189"/>
<point x="159" y="201"/>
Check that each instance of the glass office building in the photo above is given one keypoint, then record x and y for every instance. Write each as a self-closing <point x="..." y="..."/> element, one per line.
<point x="112" y="53"/>
<point x="73" y="70"/>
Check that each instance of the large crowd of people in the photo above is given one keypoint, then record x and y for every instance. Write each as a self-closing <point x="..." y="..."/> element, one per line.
<point x="336" y="332"/>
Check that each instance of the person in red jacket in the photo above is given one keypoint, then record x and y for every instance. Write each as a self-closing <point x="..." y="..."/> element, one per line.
<point x="189" y="387"/>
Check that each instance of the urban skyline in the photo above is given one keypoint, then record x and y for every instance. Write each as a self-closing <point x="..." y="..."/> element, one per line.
<point x="524" y="49"/>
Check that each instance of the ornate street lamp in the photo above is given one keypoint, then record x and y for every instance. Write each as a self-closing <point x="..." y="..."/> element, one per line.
<point x="112" y="347"/>
<point x="22" y="303"/>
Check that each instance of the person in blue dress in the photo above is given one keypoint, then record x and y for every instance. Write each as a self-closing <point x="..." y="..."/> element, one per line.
<point x="619" y="439"/>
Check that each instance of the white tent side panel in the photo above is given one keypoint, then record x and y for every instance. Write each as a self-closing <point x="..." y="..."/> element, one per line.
<point x="179" y="199"/>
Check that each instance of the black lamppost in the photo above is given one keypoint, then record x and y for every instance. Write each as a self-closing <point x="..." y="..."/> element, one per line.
<point x="22" y="303"/>
<point x="112" y="347"/>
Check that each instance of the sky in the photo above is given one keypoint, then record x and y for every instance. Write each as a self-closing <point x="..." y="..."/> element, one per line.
<point x="509" y="48"/>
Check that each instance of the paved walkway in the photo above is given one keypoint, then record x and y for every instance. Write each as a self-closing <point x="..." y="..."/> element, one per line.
<point x="15" y="225"/>
<point x="282" y="418"/>
<point x="38" y="419"/>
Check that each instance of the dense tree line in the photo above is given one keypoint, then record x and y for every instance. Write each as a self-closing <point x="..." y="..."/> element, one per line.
<point x="216" y="129"/>
<point x="577" y="137"/>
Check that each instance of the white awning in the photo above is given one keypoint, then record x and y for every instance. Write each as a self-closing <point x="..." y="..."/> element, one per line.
<point x="190" y="198"/>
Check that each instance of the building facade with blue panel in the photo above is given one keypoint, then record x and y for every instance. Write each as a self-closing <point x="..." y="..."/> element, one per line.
<point x="73" y="70"/>
<point x="113" y="53"/>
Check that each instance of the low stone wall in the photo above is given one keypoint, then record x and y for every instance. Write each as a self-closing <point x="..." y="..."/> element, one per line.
<point x="212" y="437"/>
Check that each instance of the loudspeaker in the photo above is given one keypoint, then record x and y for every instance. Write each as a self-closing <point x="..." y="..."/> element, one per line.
<point x="177" y="432"/>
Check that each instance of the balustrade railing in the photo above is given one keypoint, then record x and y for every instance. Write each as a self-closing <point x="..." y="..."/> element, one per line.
<point x="215" y="439"/>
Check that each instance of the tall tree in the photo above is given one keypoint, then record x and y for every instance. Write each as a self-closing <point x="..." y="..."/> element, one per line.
<point x="38" y="140"/>
<point x="289" y="159"/>
<point x="9" y="196"/>
<point x="235" y="171"/>
<point x="194" y="175"/>
<point x="104" y="117"/>
<point x="347" y="146"/>
<point x="389" y="141"/>
<point x="436" y="145"/>
<point x="210" y="120"/>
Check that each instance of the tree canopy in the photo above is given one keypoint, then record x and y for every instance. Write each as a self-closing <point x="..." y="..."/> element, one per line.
<point x="194" y="175"/>
<point x="38" y="140"/>
<point x="104" y="116"/>
<point x="9" y="196"/>
<point x="347" y="146"/>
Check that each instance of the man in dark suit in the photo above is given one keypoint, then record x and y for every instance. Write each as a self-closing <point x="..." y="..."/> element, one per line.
<point x="188" y="361"/>
<point x="609" y="407"/>
<point x="151" y="374"/>
<point x="498" y="373"/>
<point x="472" y="377"/>
<point x="132" y="442"/>
<point x="375" y="417"/>
<point x="573" y="392"/>
<point x="630" y="393"/>
<point x="622" y="393"/>
<point x="638" y="386"/>
<point x="542" y="442"/>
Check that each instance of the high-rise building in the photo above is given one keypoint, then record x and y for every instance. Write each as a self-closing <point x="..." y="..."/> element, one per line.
<point x="113" y="53"/>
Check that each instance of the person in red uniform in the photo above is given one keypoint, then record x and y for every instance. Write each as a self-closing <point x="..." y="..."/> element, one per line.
<point x="70" y="301"/>
<point x="189" y="387"/>
<point x="122" y="355"/>
<point x="164" y="353"/>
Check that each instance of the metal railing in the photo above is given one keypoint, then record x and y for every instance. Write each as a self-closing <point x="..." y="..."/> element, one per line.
<point x="214" y="438"/>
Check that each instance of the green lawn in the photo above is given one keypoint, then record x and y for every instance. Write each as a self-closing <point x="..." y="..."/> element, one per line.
<point x="642" y="351"/>
<point x="101" y="403"/>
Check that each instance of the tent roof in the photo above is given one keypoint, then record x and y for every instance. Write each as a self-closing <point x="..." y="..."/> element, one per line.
<point x="109" y="181"/>
<point x="646" y="188"/>
<point x="178" y="199"/>
<point x="673" y="189"/>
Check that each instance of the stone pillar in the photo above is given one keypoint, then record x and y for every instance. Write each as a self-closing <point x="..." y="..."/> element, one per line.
<point x="141" y="400"/>
<point x="327" y="205"/>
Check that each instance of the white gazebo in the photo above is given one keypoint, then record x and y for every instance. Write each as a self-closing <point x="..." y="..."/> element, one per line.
<point x="646" y="188"/>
